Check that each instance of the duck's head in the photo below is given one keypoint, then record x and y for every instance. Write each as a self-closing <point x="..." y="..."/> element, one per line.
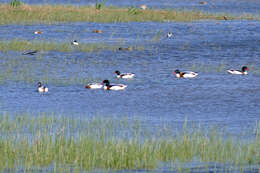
<point x="245" y="68"/>
<point x="117" y="72"/>
<point x="106" y="82"/>
<point x="39" y="84"/>
<point x="177" y="71"/>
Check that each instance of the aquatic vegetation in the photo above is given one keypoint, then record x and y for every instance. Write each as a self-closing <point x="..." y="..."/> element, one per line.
<point x="16" y="3"/>
<point x="28" y="14"/>
<point x="46" y="140"/>
<point x="24" y="45"/>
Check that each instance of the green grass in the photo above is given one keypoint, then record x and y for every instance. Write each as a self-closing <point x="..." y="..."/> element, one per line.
<point x="40" y="141"/>
<point x="48" y="14"/>
<point x="23" y="45"/>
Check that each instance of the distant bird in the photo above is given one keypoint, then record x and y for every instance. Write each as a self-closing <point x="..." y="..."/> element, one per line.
<point x="94" y="86"/>
<point x="225" y="17"/>
<point x="125" y="48"/>
<point x="169" y="35"/>
<point x="243" y="71"/>
<point x="203" y="2"/>
<point x="37" y="32"/>
<point x="30" y="53"/>
<point x="124" y="75"/>
<point x="143" y="7"/>
<point x="98" y="31"/>
<point x="185" y="74"/>
<point x="108" y="86"/>
<point x="75" y="42"/>
<point x="42" y="88"/>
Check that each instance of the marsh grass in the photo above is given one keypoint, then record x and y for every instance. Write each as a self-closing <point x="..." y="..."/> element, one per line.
<point x="23" y="45"/>
<point x="48" y="14"/>
<point x="46" y="140"/>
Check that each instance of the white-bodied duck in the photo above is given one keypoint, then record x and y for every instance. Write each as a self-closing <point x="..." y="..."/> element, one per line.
<point x="124" y="75"/>
<point x="41" y="88"/>
<point x="243" y="71"/>
<point x="185" y="74"/>
<point x="75" y="42"/>
<point x="94" y="86"/>
<point x="108" y="86"/>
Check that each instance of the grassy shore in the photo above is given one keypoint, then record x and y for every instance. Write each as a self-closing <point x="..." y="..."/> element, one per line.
<point x="54" y="141"/>
<point x="49" y="14"/>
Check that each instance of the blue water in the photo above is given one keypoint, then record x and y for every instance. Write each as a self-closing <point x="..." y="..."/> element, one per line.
<point x="155" y="95"/>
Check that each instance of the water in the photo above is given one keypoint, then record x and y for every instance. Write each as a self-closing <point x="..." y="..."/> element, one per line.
<point x="155" y="95"/>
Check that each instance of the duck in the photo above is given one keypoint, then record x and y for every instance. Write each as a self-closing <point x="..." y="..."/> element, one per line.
<point x="94" y="86"/>
<point x="41" y="88"/>
<point x="169" y="35"/>
<point x="243" y="71"/>
<point x="125" y="48"/>
<point x="143" y="7"/>
<point x="185" y="74"/>
<point x="98" y="31"/>
<point x="75" y="42"/>
<point x="124" y="75"/>
<point x="37" y="32"/>
<point x="108" y="86"/>
<point x="30" y="52"/>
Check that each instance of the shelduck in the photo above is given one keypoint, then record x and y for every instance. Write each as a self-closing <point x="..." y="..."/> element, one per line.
<point x="42" y="88"/>
<point x="185" y="74"/>
<point x="108" y="86"/>
<point x="75" y="42"/>
<point x="37" y="32"/>
<point x="98" y="31"/>
<point x="124" y="75"/>
<point x="94" y="86"/>
<point x="243" y="71"/>
<point x="169" y="35"/>
<point x="143" y="7"/>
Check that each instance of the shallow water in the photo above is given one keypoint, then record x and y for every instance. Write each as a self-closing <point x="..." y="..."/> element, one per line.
<point x="155" y="95"/>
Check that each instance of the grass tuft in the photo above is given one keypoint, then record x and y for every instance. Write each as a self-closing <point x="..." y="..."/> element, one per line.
<point x="49" y="14"/>
<point x="16" y="3"/>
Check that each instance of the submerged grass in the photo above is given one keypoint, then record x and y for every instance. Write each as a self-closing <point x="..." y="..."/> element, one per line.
<point x="50" y="140"/>
<point x="23" y="45"/>
<point x="65" y="13"/>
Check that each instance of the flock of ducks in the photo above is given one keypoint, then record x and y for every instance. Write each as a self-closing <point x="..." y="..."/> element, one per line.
<point x="106" y="85"/>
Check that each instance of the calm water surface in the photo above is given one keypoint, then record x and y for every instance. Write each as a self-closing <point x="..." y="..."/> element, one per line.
<point x="155" y="95"/>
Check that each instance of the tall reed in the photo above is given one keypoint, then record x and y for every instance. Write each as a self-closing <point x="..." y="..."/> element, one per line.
<point x="47" y="140"/>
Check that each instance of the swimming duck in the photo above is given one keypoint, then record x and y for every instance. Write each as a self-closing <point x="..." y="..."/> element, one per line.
<point x="243" y="71"/>
<point x="124" y="75"/>
<point x="169" y="35"/>
<point x="143" y="7"/>
<point x="108" y="86"/>
<point x="125" y="48"/>
<point x="94" y="86"/>
<point x="185" y="74"/>
<point x="42" y="88"/>
<point x="98" y="31"/>
<point x="37" y="32"/>
<point x="30" y="52"/>
<point x="75" y="42"/>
